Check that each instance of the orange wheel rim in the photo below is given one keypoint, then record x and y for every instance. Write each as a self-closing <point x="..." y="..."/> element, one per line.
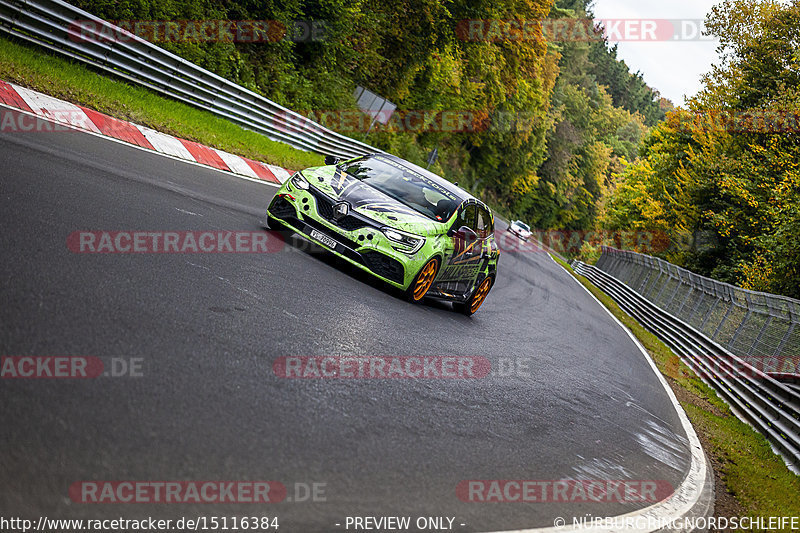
<point x="480" y="294"/>
<point x="425" y="279"/>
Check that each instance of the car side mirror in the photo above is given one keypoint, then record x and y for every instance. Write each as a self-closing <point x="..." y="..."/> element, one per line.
<point x="331" y="160"/>
<point x="465" y="232"/>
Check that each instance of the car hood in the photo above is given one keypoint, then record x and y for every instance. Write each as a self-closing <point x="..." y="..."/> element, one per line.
<point x="371" y="202"/>
<point x="520" y="229"/>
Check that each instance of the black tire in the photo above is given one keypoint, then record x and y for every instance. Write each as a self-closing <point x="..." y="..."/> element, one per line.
<point x="469" y="307"/>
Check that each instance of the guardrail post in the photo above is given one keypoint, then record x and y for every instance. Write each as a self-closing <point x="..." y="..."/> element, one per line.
<point x="675" y="292"/>
<point x="709" y="313"/>
<point x="688" y="295"/>
<point x="645" y="280"/>
<point x="724" y="318"/>
<point x="657" y="284"/>
<point x="664" y="283"/>
<point x="700" y="295"/>
<point x="636" y="278"/>
<point x="784" y="340"/>
<point x="739" y="328"/>
<point x="760" y="334"/>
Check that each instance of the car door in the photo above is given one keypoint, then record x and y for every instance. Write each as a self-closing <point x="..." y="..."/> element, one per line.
<point x="463" y="253"/>
<point x="484" y="227"/>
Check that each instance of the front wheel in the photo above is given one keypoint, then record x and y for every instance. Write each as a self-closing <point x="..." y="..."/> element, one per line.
<point x="476" y="300"/>
<point x="416" y="291"/>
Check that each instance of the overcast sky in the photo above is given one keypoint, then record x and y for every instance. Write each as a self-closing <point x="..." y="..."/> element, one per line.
<point x="673" y="67"/>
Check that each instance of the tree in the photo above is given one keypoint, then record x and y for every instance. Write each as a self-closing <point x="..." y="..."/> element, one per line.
<point x="725" y="188"/>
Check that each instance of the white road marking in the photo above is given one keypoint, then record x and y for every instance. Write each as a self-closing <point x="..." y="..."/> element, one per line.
<point x="188" y="212"/>
<point x="685" y="497"/>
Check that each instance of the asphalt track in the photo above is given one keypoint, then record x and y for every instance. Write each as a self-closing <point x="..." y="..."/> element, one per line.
<point x="208" y="328"/>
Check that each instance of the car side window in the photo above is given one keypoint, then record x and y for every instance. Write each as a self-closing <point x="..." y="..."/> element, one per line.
<point x="467" y="217"/>
<point x="484" y="223"/>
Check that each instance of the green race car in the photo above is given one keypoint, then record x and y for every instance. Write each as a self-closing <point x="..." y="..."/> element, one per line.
<point x="399" y="222"/>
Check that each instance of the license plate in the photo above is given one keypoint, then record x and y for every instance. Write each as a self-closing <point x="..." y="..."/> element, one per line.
<point x="324" y="239"/>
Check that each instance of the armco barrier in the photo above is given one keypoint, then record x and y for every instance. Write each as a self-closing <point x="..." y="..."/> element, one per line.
<point x="770" y="406"/>
<point x="763" y="329"/>
<point x="51" y="24"/>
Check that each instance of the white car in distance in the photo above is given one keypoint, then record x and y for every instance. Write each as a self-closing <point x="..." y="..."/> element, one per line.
<point x="520" y="229"/>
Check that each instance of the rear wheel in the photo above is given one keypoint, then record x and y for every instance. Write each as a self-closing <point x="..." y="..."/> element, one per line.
<point x="476" y="300"/>
<point x="416" y="291"/>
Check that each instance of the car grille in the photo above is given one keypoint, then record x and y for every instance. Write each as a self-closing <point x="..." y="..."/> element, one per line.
<point x="334" y="235"/>
<point x="325" y="210"/>
<point x="377" y="262"/>
<point x="384" y="265"/>
<point x="350" y="245"/>
<point x="350" y="223"/>
<point x="324" y="204"/>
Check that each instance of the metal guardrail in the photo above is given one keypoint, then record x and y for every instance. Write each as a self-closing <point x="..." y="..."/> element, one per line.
<point x="52" y="24"/>
<point x="767" y="404"/>
<point x="763" y="329"/>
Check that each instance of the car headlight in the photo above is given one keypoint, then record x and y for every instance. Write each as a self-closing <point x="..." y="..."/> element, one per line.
<point x="408" y="243"/>
<point x="299" y="181"/>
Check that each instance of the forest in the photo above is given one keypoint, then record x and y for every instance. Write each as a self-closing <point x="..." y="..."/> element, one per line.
<point x="557" y="132"/>
<point x="721" y="177"/>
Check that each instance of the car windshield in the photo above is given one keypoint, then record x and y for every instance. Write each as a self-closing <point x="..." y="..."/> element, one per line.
<point x="422" y="191"/>
<point x="523" y="226"/>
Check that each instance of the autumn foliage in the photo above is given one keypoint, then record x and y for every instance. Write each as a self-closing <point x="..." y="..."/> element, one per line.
<point x="722" y="177"/>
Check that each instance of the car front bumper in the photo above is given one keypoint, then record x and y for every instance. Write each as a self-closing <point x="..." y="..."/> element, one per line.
<point x="355" y="238"/>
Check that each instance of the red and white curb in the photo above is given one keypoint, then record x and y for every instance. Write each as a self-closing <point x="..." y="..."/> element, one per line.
<point x="82" y="118"/>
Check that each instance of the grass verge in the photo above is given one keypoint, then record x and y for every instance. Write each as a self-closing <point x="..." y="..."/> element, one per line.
<point x="751" y="479"/>
<point x="39" y="70"/>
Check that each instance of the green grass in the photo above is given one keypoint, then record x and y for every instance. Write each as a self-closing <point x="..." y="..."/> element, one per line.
<point x="753" y="473"/>
<point x="76" y="83"/>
